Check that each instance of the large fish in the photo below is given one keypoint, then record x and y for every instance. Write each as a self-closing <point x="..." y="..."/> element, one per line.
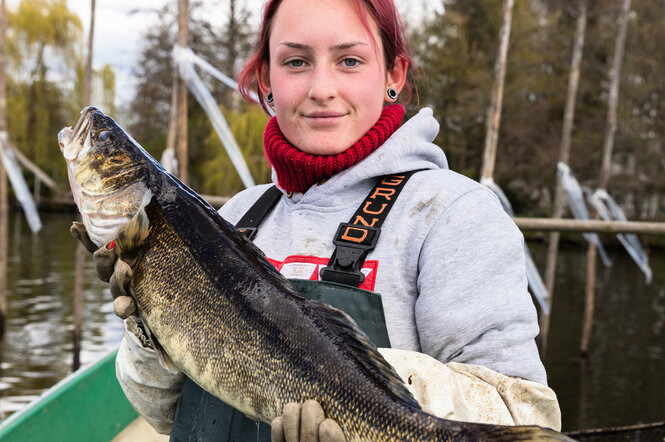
<point x="224" y="316"/>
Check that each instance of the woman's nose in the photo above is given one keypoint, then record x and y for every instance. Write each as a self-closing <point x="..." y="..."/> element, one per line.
<point x="323" y="86"/>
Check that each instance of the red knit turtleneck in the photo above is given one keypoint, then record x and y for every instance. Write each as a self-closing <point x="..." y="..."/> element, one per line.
<point x="297" y="171"/>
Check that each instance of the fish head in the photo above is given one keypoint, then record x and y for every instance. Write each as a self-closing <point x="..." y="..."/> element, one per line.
<point x="108" y="174"/>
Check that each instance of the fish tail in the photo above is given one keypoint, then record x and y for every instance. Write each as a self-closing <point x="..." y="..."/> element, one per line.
<point x="522" y="433"/>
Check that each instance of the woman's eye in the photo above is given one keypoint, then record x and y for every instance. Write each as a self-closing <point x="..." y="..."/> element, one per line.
<point x="104" y="135"/>
<point x="296" y="63"/>
<point x="350" y="62"/>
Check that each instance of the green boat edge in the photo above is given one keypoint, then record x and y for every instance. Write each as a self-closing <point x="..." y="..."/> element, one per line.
<point x="89" y="405"/>
<point x="86" y="405"/>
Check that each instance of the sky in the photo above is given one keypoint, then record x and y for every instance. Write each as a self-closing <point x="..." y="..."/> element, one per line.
<point x="120" y="24"/>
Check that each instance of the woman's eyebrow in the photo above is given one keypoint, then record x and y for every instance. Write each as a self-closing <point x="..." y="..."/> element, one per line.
<point x="340" y="46"/>
<point x="348" y="45"/>
<point x="295" y="45"/>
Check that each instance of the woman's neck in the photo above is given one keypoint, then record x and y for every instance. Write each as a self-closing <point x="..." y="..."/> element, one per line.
<point x="297" y="171"/>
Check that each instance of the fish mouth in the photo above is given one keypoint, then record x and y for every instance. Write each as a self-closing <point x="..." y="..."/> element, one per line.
<point x="70" y="140"/>
<point x="106" y="176"/>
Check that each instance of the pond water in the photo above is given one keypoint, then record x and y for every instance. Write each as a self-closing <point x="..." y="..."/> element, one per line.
<point x="36" y="350"/>
<point x="621" y="383"/>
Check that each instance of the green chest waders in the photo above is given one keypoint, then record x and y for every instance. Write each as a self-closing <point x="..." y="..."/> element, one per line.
<point x="202" y="417"/>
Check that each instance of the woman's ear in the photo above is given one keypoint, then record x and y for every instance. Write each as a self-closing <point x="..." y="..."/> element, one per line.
<point x="263" y="79"/>
<point x="396" y="77"/>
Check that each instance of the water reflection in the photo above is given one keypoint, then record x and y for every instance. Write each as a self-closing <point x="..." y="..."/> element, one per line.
<point x="622" y="383"/>
<point x="36" y="350"/>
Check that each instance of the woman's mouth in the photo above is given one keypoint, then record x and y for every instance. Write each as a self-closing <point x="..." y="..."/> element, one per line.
<point x="324" y="119"/>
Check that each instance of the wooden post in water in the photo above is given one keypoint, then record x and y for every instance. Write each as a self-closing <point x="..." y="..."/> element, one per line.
<point x="32" y="167"/>
<point x="610" y="130"/>
<point x="173" y="115"/>
<point x="181" y="150"/>
<point x="173" y="122"/>
<point x="36" y="191"/>
<point x="81" y="253"/>
<point x="79" y="263"/>
<point x="87" y="79"/>
<point x="4" y="238"/>
<point x="494" y="111"/>
<point x="4" y="204"/>
<point x="564" y="156"/>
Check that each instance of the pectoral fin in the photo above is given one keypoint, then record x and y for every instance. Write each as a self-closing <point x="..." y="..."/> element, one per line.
<point x="135" y="232"/>
<point x="163" y="357"/>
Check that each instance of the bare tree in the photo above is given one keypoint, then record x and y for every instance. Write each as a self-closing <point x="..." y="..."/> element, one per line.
<point x="494" y="112"/>
<point x="181" y="151"/>
<point x="87" y="80"/>
<point x="3" y="173"/>
<point x="610" y="130"/>
<point x="235" y="40"/>
<point x="81" y="253"/>
<point x="564" y="157"/>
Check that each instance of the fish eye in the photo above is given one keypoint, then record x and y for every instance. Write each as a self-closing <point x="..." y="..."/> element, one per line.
<point x="104" y="135"/>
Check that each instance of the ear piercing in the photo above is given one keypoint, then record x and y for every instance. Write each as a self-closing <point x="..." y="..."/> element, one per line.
<point x="392" y="94"/>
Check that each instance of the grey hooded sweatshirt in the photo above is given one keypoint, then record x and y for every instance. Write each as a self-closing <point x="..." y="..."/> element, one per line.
<point x="449" y="263"/>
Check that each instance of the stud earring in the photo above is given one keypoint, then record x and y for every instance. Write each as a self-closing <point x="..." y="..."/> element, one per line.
<point x="270" y="98"/>
<point x="392" y="93"/>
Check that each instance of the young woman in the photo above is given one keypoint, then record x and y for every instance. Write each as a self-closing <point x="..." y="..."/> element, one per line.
<point x="448" y="266"/>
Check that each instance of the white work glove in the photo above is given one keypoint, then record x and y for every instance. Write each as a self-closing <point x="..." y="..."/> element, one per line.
<point x="306" y="423"/>
<point x="109" y="269"/>
<point x="152" y="390"/>
<point x="471" y="393"/>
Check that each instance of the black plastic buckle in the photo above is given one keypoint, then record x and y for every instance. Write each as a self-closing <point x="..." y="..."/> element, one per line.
<point x="249" y="232"/>
<point x="353" y="244"/>
<point x="352" y="279"/>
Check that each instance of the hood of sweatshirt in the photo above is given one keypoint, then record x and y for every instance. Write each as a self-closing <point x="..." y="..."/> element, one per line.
<point x="409" y="148"/>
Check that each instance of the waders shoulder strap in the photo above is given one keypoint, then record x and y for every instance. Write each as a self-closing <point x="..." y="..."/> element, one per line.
<point x="261" y="208"/>
<point x="355" y="239"/>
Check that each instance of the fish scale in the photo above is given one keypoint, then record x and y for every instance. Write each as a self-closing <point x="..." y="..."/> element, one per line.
<point x="220" y="312"/>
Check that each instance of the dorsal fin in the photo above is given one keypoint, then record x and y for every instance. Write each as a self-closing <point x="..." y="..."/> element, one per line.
<point x="262" y="261"/>
<point x="357" y="345"/>
<point x="188" y="200"/>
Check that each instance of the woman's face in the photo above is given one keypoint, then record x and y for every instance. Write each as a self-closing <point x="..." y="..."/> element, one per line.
<point x="327" y="74"/>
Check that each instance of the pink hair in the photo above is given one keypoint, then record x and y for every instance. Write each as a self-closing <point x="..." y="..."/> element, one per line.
<point x="383" y="12"/>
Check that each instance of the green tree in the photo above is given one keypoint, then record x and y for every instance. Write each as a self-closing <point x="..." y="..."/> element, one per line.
<point x="45" y="79"/>
<point x="40" y="30"/>
<point x="455" y="80"/>
<point x="38" y="26"/>
<point x="638" y="180"/>
<point x="106" y="76"/>
<point x="223" y="46"/>
<point x="457" y="51"/>
<point x="235" y="40"/>
<point x="219" y="177"/>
